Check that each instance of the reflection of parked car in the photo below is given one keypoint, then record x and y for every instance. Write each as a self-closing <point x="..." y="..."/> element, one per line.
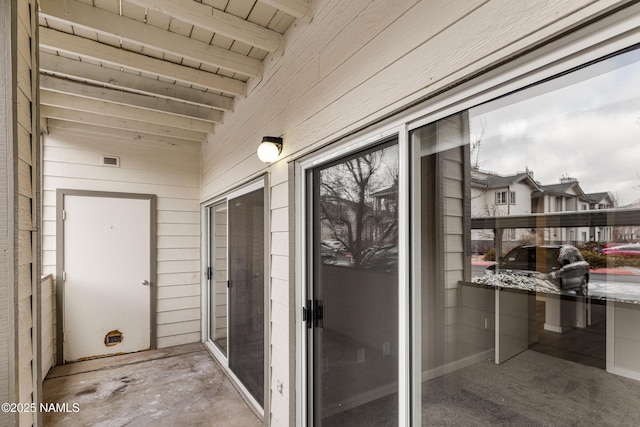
<point x="381" y="258"/>
<point x="560" y="264"/>
<point x="327" y="253"/>
<point x="335" y="244"/>
<point x="629" y="250"/>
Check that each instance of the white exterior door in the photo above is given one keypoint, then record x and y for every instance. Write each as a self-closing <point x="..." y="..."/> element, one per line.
<point x="107" y="256"/>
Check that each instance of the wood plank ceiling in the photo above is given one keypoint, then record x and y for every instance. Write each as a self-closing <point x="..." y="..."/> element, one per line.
<point x="156" y="70"/>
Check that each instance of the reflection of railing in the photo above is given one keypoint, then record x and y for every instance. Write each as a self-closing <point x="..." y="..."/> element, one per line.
<point x="594" y="218"/>
<point x="628" y="293"/>
<point x="47" y="333"/>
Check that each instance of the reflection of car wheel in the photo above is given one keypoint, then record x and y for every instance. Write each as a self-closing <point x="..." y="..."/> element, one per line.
<point x="583" y="288"/>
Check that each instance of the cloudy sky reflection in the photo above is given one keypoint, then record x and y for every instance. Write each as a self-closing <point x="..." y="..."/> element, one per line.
<point x="585" y="125"/>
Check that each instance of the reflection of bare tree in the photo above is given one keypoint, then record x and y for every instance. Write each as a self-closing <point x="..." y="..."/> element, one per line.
<point x="358" y="202"/>
<point x="476" y="144"/>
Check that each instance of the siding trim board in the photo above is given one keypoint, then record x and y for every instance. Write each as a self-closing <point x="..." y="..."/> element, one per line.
<point x="36" y="182"/>
<point x="8" y="210"/>
<point x="20" y="211"/>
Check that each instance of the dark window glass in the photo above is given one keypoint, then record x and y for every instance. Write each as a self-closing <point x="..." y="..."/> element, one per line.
<point x="246" y="291"/>
<point x="355" y="290"/>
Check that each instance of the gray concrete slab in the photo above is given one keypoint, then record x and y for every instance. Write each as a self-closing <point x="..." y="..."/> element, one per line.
<point x="180" y="386"/>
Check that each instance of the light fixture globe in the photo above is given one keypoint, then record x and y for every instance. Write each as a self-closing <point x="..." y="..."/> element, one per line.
<point x="269" y="149"/>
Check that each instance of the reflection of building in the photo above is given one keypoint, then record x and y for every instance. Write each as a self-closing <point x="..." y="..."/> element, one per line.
<point x="338" y="213"/>
<point x="496" y="195"/>
<point x="567" y="196"/>
<point x="602" y="201"/>
<point x="385" y="208"/>
<point x="379" y="219"/>
<point x="385" y="200"/>
<point x="628" y="233"/>
<point x="520" y="194"/>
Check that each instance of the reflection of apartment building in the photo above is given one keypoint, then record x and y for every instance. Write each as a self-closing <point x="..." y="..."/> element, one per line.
<point x="377" y="214"/>
<point x="602" y="201"/>
<point x="385" y="208"/>
<point x="498" y="195"/>
<point x="520" y="194"/>
<point x="567" y="196"/>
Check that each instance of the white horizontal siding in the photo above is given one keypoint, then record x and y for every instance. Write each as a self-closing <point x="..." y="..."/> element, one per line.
<point x="72" y="160"/>
<point x="315" y="99"/>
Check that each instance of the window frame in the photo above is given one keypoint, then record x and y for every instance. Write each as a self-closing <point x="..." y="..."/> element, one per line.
<point x="501" y="197"/>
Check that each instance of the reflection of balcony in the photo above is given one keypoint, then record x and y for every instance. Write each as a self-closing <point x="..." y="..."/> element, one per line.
<point x="596" y="218"/>
<point x="621" y="309"/>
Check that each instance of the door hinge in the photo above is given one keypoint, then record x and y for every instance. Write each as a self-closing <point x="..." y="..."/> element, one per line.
<point x="64" y="214"/>
<point x="228" y="283"/>
<point x="64" y="276"/>
<point x="209" y="273"/>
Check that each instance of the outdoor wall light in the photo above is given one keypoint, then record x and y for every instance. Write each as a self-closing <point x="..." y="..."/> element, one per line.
<point x="269" y="149"/>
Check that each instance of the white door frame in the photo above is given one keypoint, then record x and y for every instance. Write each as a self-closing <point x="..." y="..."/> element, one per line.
<point x="60" y="195"/>
<point x="376" y="135"/>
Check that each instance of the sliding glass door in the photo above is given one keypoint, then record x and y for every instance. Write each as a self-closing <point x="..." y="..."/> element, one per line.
<point x="353" y="312"/>
<point x="246" y="291"/>
<point x="236" y="285"/>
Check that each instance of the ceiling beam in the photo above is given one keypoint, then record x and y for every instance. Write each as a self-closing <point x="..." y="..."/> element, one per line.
<point x="216" y="21"/>
<point x="296" y="8"/>
<point x="58" y="84"/>
<point x="104" y="22"/>
<point x="64" y="100"/>
<point x="96" y="74"/>
<point x="68" y="43"/>
<point x="119" y="123"/>
<point x="137" y="137"/>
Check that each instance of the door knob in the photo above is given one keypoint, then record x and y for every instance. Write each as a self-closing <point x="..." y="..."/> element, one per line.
<point x="145" y="283"/>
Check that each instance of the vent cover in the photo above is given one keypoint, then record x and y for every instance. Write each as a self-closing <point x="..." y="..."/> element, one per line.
<point x="112" y="161"/>
<point x="112" y="338"/>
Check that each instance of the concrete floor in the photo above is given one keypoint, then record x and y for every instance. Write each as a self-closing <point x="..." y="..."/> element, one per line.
<point x="177" y="386"/>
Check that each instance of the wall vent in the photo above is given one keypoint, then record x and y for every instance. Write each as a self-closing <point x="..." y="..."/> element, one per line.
<point x="112" y="161"/>
<point x="112" y="338"/>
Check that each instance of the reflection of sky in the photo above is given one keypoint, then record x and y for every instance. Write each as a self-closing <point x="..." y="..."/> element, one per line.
<point x="585" y="125"/>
